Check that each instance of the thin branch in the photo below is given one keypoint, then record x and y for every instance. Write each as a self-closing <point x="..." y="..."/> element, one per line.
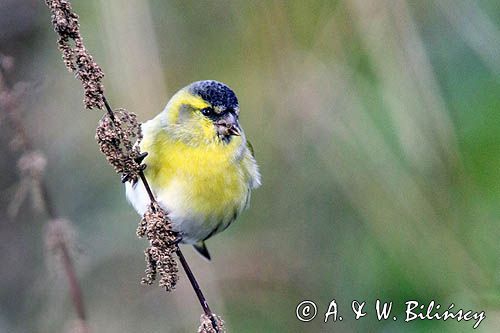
<point x="197" y="289"/>
<point x="47" y="202"/>
<point x="75" y="290"/>
<point x="148" y="188"/>
<point x="108" y="108"/>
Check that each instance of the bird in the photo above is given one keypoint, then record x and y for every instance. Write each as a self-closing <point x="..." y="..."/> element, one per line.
<point x="200" y="166"/>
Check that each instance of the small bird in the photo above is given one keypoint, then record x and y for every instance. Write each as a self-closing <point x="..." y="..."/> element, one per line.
<point x="200" y="166"/>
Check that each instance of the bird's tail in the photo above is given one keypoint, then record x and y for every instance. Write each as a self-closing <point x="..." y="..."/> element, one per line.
<point x="201" y="248"/>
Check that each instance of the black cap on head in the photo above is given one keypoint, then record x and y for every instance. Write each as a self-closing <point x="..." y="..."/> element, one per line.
<point x="215" y="93"/>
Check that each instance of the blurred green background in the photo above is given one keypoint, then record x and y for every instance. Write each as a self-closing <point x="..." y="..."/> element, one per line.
<point x="377" y="128"/>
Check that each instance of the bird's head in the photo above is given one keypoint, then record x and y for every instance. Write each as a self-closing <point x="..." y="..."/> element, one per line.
<point x="204" y="111"/>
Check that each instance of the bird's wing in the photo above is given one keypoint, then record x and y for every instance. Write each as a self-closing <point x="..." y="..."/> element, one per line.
<point x="251" y="167"/>
<point x="250" y="147"/>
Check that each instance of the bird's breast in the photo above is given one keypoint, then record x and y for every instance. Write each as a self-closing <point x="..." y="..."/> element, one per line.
<point x="201" y="187"/>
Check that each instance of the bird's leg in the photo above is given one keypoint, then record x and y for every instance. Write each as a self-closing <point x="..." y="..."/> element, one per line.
<point x="127" y="176"/>
<point x="141" y="157"/>
<point x="176" y="241"/>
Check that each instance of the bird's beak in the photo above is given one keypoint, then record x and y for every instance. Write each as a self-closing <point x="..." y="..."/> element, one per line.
<point x="234" y="130"/>
<point x="228" y="125"/>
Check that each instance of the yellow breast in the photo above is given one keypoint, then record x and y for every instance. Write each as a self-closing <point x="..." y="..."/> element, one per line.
<point x="206" y="180"/>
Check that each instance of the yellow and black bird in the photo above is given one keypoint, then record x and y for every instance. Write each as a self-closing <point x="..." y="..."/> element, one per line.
<point x="201" y="167"/>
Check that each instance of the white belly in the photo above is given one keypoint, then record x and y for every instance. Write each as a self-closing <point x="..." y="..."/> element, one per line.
<point x="193" y="227"/>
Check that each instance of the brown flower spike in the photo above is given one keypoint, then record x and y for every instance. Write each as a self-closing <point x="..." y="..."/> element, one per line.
<point x="75" y="55"/>
<point x="115" y="138"/>
<point x="156" y="227"/>
<point x="206" y="325"/>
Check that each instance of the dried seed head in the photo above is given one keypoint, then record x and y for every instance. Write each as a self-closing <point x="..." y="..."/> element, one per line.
<point x="115" y="138"/>
<point x="75" y="56"/>
<point x="206" y="325"/>
<point x="58" y="231"/>
<point x="157" y="228"/>
<point x="60" y="240"/>
<point x="32" y="164"/>
<point x="31" y="167"/>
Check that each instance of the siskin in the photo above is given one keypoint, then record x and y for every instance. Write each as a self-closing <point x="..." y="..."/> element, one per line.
<point x="201" y="167"/>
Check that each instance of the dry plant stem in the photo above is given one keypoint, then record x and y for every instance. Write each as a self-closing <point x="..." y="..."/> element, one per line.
<point x="148" y="188"/>
<point x="27" y="146"/>
<point x="47" y="202"/>
<point x="197" y="289"/>
<point x="75" y="290"/>
<point x="69" y="269"/>
<point x="108" y="108"/>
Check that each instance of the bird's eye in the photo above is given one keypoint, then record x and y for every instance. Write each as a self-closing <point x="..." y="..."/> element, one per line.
<point x="208" y="111"/>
